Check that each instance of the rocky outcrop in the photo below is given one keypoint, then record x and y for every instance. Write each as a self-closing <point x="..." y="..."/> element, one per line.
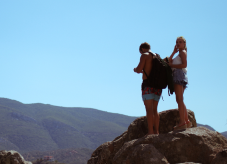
<point x="193" y="145"/>
<point x="12" y="157"/>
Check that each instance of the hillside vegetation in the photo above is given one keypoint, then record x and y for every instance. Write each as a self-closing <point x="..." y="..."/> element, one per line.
<point x="44" y="127"/>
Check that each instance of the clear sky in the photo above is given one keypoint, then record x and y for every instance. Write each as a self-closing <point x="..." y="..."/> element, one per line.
<point x="75" y="53"/>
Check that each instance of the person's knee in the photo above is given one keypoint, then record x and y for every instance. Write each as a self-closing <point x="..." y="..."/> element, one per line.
<point x="155" y="111"/>
<point x="149" y="110"/>
<point x="179" y="99"/>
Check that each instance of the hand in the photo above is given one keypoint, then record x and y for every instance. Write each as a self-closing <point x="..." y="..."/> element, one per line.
<point x="170" y="64"/>
<point x="175" y="49"/>
<point x="136" y="71"/>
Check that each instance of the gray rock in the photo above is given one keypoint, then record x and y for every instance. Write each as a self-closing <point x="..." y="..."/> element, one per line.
<point x="142" y="153"/>
<point x="12" y="157"/>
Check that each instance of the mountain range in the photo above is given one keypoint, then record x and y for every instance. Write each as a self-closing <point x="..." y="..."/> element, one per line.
<point x="44" y="127"/>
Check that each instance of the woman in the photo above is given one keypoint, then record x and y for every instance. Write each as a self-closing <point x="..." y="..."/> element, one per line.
<point x="179" y="67"/>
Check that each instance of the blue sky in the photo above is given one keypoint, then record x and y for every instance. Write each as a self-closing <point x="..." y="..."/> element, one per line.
<point x="82" y="53"/>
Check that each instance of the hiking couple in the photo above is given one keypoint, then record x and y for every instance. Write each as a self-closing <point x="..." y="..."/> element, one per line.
<point x="151" y="95"/>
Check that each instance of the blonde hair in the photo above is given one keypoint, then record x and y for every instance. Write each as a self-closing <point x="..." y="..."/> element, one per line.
<point x="181" y="37"/>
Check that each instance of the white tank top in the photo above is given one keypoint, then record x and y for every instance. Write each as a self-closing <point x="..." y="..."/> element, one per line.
<point x="177" y="60"/>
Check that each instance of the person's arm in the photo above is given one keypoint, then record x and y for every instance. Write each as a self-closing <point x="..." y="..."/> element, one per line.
<point x="139" y="68"/>
<point x="171" y="56"/>
<point x="183" y="56"/>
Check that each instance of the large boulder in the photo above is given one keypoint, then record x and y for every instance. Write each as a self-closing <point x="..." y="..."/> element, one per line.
<point x="168" y="119"/>
<point x="12" y="157"/>
<point x="197" y="144"/>
<point x="191" y="145"/>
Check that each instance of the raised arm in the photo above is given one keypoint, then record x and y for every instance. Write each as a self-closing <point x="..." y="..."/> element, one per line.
<point x="139" y="68"/>
<point x="183" y="56"/>
<point x="174" y="52"/>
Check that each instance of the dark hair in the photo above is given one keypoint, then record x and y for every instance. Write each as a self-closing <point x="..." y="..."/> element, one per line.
<point x="144" y="45"/>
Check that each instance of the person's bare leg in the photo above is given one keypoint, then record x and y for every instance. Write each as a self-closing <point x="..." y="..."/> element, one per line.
<point x="150" y="116"/>
<point x="156" y="117"/>
<point x="186" y="112"/>
<point x="181" y="106"/>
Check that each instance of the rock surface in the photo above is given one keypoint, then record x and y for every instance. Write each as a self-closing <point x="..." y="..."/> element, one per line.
<point x="193" y="145"/>
<point x="12" y="157"/>
<point x="141" y="153"/>
<point x="220" y="157"/>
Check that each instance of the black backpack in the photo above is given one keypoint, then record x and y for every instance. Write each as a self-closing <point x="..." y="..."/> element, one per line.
<point x="161" y="74"/>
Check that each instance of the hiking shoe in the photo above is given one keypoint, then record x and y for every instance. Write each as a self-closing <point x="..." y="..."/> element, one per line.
<point x="189" y="124"/>
<point x="181" y="127"/>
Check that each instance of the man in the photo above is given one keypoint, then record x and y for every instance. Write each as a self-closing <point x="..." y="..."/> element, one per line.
<point x="150" y="95"/>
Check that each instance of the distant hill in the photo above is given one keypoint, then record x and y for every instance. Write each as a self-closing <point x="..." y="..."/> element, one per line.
<point x="224" y="134"/>
<point x="206" y="126"/>
<point x="44" y="127"/>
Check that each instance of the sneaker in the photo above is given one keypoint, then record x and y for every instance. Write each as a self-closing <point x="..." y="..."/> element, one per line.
<point x="183" y="126"/>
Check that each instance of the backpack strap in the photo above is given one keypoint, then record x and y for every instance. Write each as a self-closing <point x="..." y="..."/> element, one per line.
<point x="145" y="73"/>
<point x="147" y="76"/>
<point x="153" y="54"/>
